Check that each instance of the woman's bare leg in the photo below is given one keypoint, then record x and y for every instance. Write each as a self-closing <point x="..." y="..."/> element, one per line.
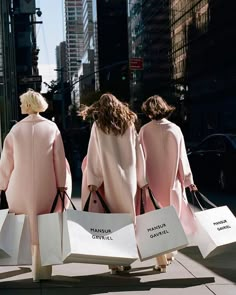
<point x="39" y="272"/>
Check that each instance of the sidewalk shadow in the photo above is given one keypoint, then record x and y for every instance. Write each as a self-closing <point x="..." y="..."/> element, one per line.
<point x="13" y="273"/>
<point x="105" y="282"/>
<point x="102" y="283"/>
<point x="222" y="264"/>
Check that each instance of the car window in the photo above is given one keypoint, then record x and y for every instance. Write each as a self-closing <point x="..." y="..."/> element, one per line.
<point x="220" y="144"/>
<point x="213" y="144"/>
<point x="233" y="140"/>
<point x="208" y="144"/>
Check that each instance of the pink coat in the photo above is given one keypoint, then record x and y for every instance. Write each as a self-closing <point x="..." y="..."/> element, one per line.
<point x="32" y="166"/>
<point x="116" y="165"/>
<point x="168" y="169"/>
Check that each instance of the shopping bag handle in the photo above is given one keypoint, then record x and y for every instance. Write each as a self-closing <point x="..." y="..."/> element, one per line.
<point x="195" y="197"/>
<point x="104" y="205"/>
<point x="62" y="196"/>
<point x="3" y="200"/>
<point x="151" y="196"/>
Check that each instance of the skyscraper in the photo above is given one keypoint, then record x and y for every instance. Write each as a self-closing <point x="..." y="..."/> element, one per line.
<point x="74" y="35"/>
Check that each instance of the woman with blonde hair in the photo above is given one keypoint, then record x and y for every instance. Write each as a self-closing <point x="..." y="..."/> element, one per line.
<point x="114" y="158"/>
<point x="168" y="169"/>
<point x="32" y="168"/>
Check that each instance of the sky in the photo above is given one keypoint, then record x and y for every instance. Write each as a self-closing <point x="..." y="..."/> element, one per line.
<point x="49" y="34"/>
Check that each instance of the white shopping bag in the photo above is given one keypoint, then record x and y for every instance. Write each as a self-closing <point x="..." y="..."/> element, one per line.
<point x="15" y="240"/>
<point x="50" y="232"/>
<point x="216" y="231"/>
<point x="100" y="238"/>
<point x="159" y="231"/>
<point x="3" y="216"/>
<point x="50" y="238"/>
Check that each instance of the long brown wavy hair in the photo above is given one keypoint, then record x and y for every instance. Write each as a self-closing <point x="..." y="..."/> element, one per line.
<point x="156" y="108"/>
<point x="110" y="114"/>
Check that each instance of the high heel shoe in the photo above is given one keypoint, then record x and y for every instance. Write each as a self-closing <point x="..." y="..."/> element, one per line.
<point x="170" y="259"/>
<point x="120" y="269"/>
<point x="160" y="268"/>
<point x="115" y="269"/>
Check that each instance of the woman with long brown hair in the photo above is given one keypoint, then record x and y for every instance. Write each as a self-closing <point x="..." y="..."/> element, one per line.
<point x="114" y="159"/>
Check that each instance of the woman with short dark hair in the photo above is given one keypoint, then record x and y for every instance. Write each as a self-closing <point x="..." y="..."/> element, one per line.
<point x="168" y="169"/>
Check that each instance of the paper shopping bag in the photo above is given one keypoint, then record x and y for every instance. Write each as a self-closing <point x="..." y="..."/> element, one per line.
<point x="3" y="216"/>
<point x="216" y="227"/>
<point x="159" y="231"/>
<point x="100" y="238"/>
<point x="216" y="231"/>
<point x="50" y="231"/>
<point x="50" y="238"/>
<point x="25" y="254"/>
<point x="15" y="240"/>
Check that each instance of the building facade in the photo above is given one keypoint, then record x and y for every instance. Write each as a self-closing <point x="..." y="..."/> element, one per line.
<point x="74" y="36"/>
<point x="203" y="46"/>
<point x="150" y="40"/>
<point x="8" y="79"/>
<point x="112" y="47"/>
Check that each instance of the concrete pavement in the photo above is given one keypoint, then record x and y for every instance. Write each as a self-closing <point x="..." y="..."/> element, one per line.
<point x="189" y="274"/>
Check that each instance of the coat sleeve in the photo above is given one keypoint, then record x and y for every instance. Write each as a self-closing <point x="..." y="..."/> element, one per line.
<point x="6" y="162"/>
<point x="94" y="171"/>
<point x="184" y="170"/>
<point x="141" y="164"/>
<point x="59" y="160"/>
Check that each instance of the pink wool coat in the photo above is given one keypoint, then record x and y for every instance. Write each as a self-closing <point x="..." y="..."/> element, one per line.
<point x="116" y="165"/>
<point x="168" y="169"/>
<point x="32" y="166"/>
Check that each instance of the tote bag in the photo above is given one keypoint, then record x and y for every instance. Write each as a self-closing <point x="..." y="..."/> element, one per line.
<point x="159" y="231"/>
<point x="15" y="240"/>
<point x="98" y="238"/>
<point x="216" y="232"/>
<point x="50" y="232"/>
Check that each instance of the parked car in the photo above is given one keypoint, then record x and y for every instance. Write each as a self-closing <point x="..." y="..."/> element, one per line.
<point x="213" y="161"/>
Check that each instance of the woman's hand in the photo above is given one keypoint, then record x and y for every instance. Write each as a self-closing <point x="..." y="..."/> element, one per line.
<point x="92" y="188"/>
<point x="62" y="189"/>
<point x="193" y="188"/>
<point x="145" y="186"/>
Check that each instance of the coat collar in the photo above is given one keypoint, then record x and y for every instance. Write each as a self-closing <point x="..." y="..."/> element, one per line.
<point x="34" y="117"/>
<point x="162" y="121"/>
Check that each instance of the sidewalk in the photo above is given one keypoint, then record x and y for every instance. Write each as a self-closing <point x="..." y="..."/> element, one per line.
<point x="189" y="274"/>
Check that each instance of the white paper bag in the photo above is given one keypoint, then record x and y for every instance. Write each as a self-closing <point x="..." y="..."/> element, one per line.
<point x="100" y="238"/>
<point x="15" y="241"/>
<point x="25" y="254"/>
<point x="159" y="232"/>
<point x="216" y="231"/>
<point x="3" y="216"/>
<point x="50" y="238"/>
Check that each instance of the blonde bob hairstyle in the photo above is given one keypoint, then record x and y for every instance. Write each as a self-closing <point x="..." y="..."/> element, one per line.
<point x="156" y="108"/>
<point x="34" y="101"/>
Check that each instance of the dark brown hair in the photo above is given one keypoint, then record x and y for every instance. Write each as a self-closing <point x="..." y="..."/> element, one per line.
<point x="156" y="108"/>
<point x="110" y="114"/>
